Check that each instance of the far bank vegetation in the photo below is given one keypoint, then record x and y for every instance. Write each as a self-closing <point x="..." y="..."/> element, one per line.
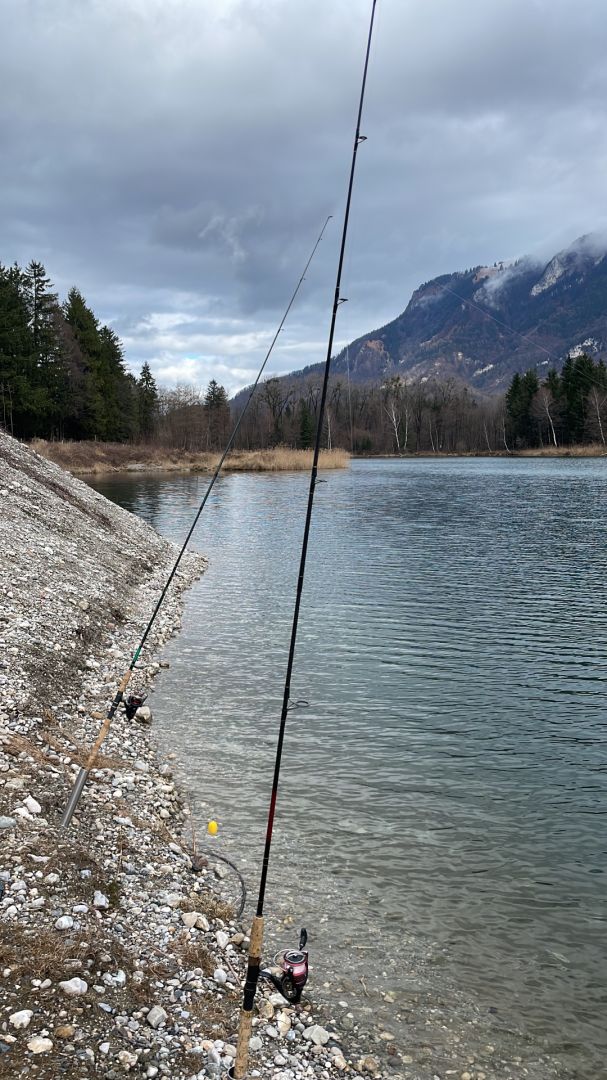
<point x="63" y="380"/>
<point x="95" y="458"/>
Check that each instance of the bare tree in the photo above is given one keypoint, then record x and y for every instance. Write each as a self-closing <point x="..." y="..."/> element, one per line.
<point x="544" y="408"/>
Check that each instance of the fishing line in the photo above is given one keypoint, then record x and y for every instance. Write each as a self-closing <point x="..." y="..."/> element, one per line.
<point x="239" y="1069"/>
<point x="107" y="720"/>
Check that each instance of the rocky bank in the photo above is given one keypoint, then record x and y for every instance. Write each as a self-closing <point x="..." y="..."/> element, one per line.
<point x="119" y="949"/>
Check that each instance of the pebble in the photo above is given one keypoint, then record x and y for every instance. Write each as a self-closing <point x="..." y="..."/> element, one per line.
<point x="127" y="1060"/>
<point x="220" y="976"/>
<point x="255" y="1043"/>
<point x="38" y="1045"/>
<point x="32" y="805"/>
<point x="7" y="823"/>
<point x="368" y="1064"/>
<point x="65" y="922"/>
<point x="100" y="900"/>
<point x="156" y="1016"/>
<point x="20" y="1020"/>
<point x="74" y="987"/>
<point x="317" y="1034"/>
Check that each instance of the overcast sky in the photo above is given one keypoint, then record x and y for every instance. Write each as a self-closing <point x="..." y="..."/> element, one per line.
<point x="176" y="159"/>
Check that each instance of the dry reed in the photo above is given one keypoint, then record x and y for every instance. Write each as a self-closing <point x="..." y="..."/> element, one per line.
<point x="96" y="458"/>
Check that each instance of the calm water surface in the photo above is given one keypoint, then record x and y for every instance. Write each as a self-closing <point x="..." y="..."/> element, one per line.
<point x="443" y="811"/>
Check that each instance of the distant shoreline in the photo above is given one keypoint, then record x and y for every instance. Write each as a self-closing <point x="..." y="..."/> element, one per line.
<point x="592" y="450"/>
<point x="98" y="458"/>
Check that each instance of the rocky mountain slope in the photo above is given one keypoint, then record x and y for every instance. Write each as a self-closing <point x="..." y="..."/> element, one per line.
<point x="484" y="324"/>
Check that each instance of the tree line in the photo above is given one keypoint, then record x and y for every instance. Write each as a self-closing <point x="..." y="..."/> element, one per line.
<point x="562" y="409"/>
<point x="62" y="373"/>
<point x="63" y="376"/>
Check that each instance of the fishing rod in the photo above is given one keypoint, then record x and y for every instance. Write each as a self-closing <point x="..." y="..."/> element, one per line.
<point x="133" y="703"/>
<point x="239" y="1069"/>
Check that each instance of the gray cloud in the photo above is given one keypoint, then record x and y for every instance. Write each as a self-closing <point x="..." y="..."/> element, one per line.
<point x="176" y="160"/>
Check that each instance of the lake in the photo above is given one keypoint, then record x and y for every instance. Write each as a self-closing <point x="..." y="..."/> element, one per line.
<point x="442" y="818"/>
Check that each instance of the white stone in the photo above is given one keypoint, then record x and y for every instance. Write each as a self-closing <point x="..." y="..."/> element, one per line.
<point x="32" y="805"/>
<point x="104" y="1048"/>
<point x="20" y="1020"/>
<point x="74" y="987"/>
<point x="156" y="1016"/>
<point x="317" y="1034"/>
<point x="203" y="923"/>
<point x="38" y="1045"/>
<point x="64" y="923"/>
<point x="189" y="918"/>
<point x="222" y="938"/>
<point x="127" y="1060"/>
<point x="100" y="900"/>
<point x="255" y="1043"/>
<point x="220" y="976"/>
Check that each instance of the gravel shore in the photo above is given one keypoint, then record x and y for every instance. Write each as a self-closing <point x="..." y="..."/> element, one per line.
<point x="119" y="947"/>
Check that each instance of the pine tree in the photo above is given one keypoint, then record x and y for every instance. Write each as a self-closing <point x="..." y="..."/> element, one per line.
<point x="121" y="421"/>
<point x="85" y="329"/>
<point x="306" y="426"/>
<point x="16" y="353"/>
<point x="47" y="369"/>
<point x="519" y="400"/>
<point x="217" y="410"/>
<point x="147" y="394"/>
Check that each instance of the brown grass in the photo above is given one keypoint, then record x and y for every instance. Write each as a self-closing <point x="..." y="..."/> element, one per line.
<point x="219" y="1014"/>
<point x="41" y="953"/>
<point x="97" y="458"/>
<point x="588" y="450"/>
<point x="208" y="904"/>
<point x="196" y="955"/>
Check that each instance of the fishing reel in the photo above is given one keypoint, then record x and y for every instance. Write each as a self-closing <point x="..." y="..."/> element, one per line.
<point x="132" y="703"/>
<point x="293" y="964"/>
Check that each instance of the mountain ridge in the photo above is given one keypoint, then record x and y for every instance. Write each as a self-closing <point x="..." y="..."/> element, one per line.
<point x="481" y="326"/>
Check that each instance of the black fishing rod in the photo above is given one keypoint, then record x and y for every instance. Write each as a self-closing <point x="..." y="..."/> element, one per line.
<point x="239" y="1069"/>
<point x="132" y="703"/>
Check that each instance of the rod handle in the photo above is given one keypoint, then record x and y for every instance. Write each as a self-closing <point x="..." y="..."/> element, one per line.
<point x="239" y="1069"/>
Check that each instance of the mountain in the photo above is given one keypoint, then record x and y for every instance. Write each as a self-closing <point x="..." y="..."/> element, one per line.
<point x="481" y="326"/>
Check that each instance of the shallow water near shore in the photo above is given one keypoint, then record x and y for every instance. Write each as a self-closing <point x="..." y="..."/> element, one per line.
<point x="442" y="819"/>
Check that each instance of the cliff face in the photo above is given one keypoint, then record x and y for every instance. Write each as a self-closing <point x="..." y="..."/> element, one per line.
<point x="484" y="324"/>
